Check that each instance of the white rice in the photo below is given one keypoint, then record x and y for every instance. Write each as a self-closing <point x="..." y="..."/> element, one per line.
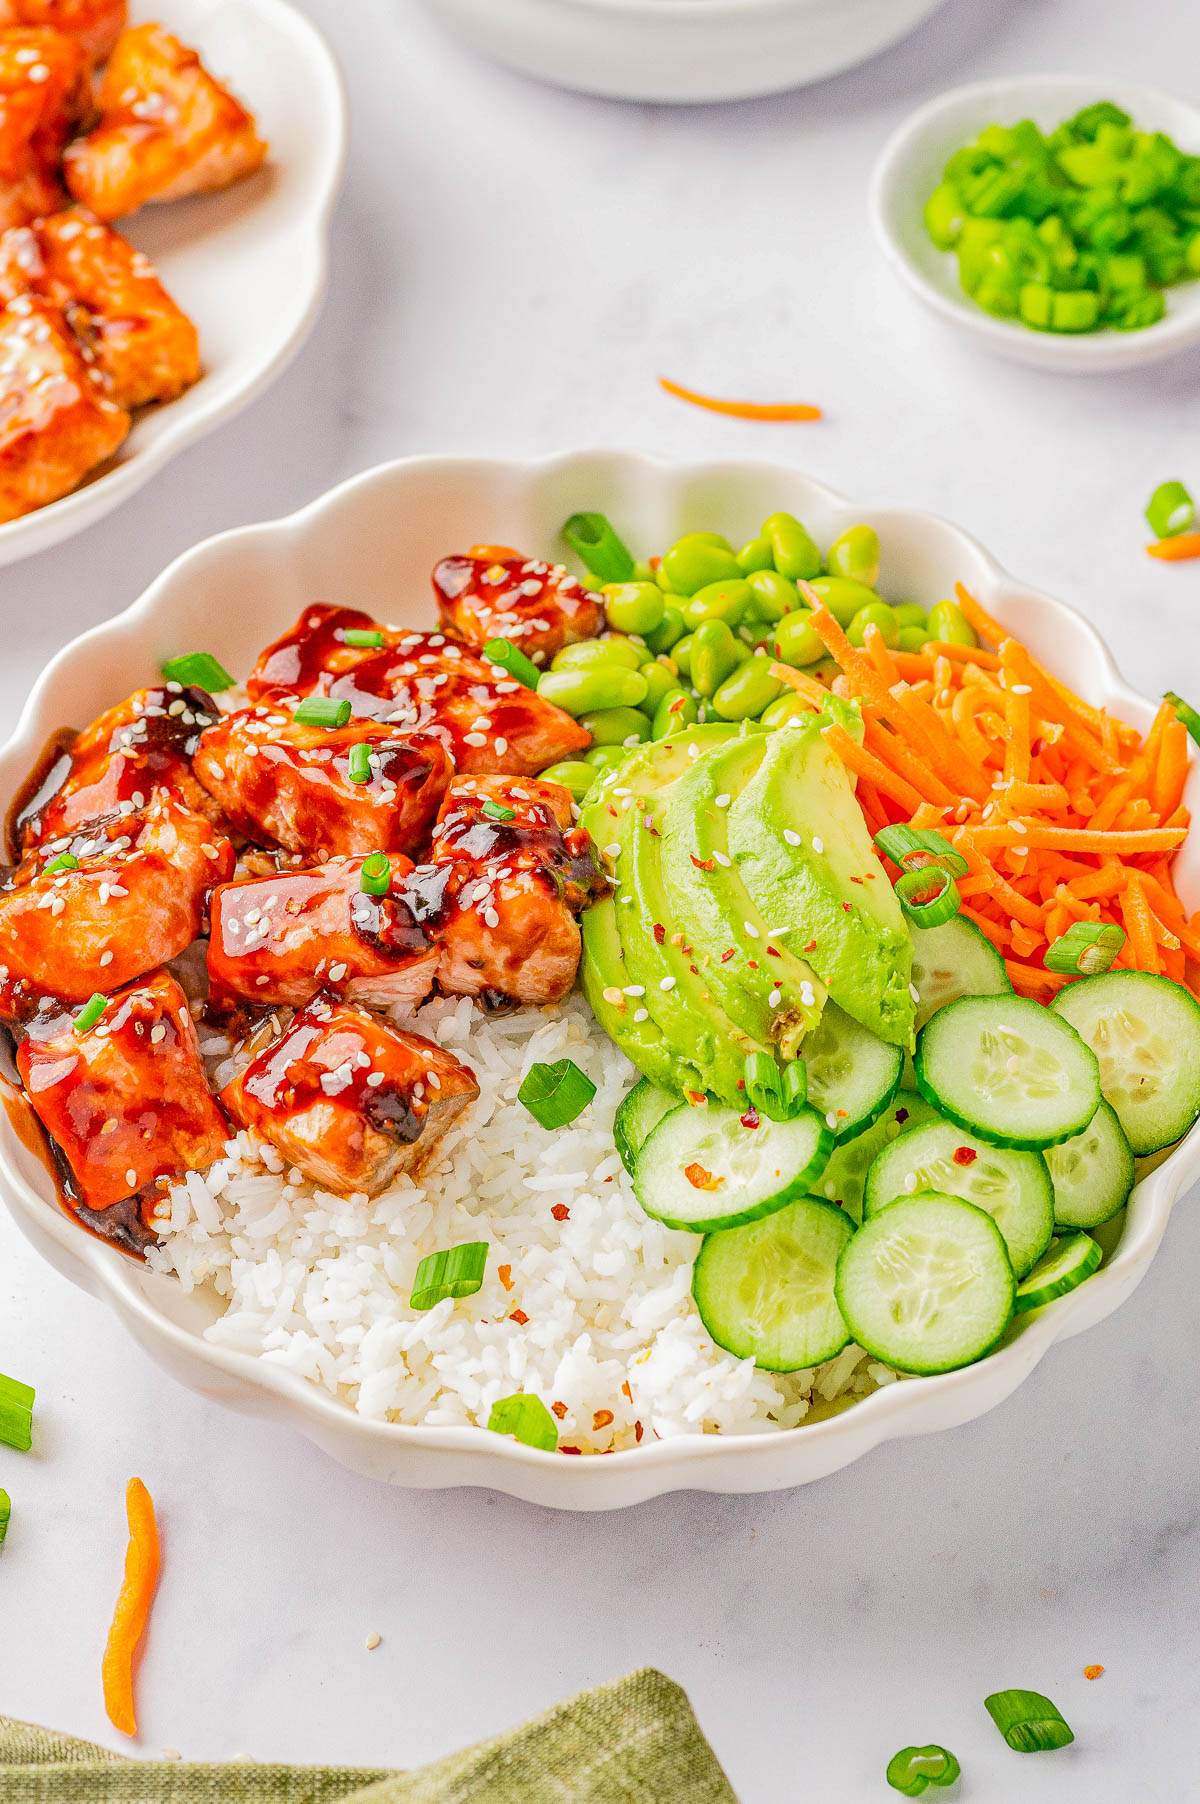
<point x="612" y="1342"/>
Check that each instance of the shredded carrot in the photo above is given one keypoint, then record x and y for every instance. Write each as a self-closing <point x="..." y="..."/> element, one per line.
<point x="133" y="1607"/>
<point x="802" y="683"/>
<point x="742" y="410"/>
<point x="864" y="764"/>
<point x="1171" y="772"/>
<point x="1139" y="925"/>
<point x="1032" y="980"/>
<point x="495" y="554"/>
<point x="879" y="655"/>
<point x="1075" y="839"/>
<point x="1175" y="551"/>
<point x="893" y="750"/>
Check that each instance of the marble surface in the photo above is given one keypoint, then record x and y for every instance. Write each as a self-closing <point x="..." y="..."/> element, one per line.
<point x="513" y="266"/>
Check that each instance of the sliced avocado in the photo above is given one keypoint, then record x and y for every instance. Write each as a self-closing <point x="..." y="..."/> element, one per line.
<point x="604" y="980"/>
<point x="774" y="996"/>
<point x="803" y="851"/>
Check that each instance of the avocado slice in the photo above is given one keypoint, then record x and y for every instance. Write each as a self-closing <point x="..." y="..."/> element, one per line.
<point x="798" y="798"/>
<point x="605" y="978"/>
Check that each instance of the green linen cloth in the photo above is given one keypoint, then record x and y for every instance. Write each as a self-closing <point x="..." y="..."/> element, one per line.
<point x="634" y="1741"/>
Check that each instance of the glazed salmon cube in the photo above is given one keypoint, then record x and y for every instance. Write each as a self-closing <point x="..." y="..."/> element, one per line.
<point x="167" y="129"/>
<point x="96" y="24"/>
<point x="45" y="90"/>
<point x="540" y="607"/>
<point x="349" y="1099"/>
<point x="56" y="422"/>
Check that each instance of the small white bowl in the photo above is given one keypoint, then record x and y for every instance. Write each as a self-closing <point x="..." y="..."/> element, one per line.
<point x="911" y="166"/>
<point x="683" y="51"/>
<point x="371" y="544"/>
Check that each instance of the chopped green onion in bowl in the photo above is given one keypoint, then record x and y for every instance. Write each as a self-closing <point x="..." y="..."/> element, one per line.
<point x="527" y="1419"/>
<point x="91" y="1012"/>
<point x="928" y="896"/>
<point x="375" y="878"/>
<point x="360" y="762"/>
<point x="556" y="1094"/>
<point x="322" y="711"/>
<point x="496" y="811"/>
<point x="914" y="847"/>
<point x="450" y="1272"/>
<point x="1085" y="949"/>
<point x="506" y="655"/>
<point x="198" y="670"/>
<point x="359" y="637"/>
<point x="66" y="861"/>
<point x="1185" y="713"/>
<point x="592" y="538"/>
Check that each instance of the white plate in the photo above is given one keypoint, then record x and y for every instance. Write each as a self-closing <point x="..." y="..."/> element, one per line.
<point x="371" y="544"/>
<point x="684" y="50"/>
<point x="248" y="264"/>
<point x="911" y="166"/>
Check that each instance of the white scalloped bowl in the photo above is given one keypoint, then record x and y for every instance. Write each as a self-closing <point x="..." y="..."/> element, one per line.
<point x="371" y="544"/>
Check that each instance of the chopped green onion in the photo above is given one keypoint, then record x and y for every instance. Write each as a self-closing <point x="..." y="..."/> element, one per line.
<point x="929" y="896"/>
<point x="5" y="1513"/>
<point x="1185" y="712"/>
<point x="91" y="1012"/>
<point x="495" y="811"/>
<point x="509" y="658"/>
<point x="555" y="1094"/>
<point x="912" y="1770"/>
<point x="453" y="1272"/>
<point x="795" y="1087"/>
<point x="779" y="1095"/>
<point x="592" y="538"/>
<point x="66" y="861"/>
<point x="1170" y="510"/>
<point x="322" y="711"/>
<point x="375" y="878"/>
<point x="914" y="847"/>
<point x="16" y="1413"/>
<point x="1085" y="949"/>
<point x="360" y="762"/>
<point x="1029" y="1723"/>
<point x="198" y="669"/>
<point x="358" y="635"/>
<point x="527" y="1419"/>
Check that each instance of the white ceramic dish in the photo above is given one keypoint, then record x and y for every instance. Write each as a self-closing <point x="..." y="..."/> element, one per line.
<point x="910" y="168"/>
<point x="683" y="50"/>
<point x="371" y="544"/>
<point x="248" y="264"/>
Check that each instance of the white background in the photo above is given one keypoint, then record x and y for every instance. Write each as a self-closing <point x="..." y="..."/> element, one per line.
<point x="513" y="266"/>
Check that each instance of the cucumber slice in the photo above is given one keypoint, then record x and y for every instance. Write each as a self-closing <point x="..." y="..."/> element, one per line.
<point x="954" y="960"/>
<point x="1067" y="1262"/>
<point x="1013" y="1187"/>
<point x="852" y="1073"/>
<point x="701" y="1169"/>
<point x="1093" y="1173"/>
<point x="1145" y="1031"/>
<point x="927" y="1285"/>
<point x="1005" y="1068"/>
<point x="765" y="1291"/>
<point x="642" y="1109"/>
<point x="846" y="1172"/>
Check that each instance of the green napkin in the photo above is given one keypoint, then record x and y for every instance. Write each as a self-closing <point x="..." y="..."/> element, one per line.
<point x="634" y="1741"/>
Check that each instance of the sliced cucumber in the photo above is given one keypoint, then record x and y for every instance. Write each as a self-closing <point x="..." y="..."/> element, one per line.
<point x="701" y="1169"/>
<point x="643" y="1108"/>
<point x="1005" y="1068"/>
<point x="1013" y="1187"/>
<point x="765" y="1291"/>
<point x="846" y="1172"/>
<point x="1067" y="1262"/>
<point x="852" y="1073"/>
<point x="927" y="1285"/>
<point x="1093" y="1173"/>
<point x="1145" y="1031"/>
<point x="954" y="960"/>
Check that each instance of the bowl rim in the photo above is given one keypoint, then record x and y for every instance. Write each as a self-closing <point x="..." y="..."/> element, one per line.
<point x="910" y="1406"/>
<point x="1085" y="351"/>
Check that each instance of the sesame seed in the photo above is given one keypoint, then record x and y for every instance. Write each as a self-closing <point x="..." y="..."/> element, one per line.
<point x="1020" y="689"/>
<point x="831" y="1121"/>
<point x="751" y="929"/>
<point x="666" y="983"/>
<point x="914" y="992"/>
<point x="613" y="851"/>
<point x="131" y="1176"/>
<point x="723" y="801"/>
<point x="635" y="989"/>
<point x="775" y="998"/>
<point x="337" y="972"/>
<point x="491" y="918"/>
<point x="475" y="739"/>
<point x="106" y="958"/>
<point x="641" y="1014"/>
<point x="818" y="845"/>
<point x="157" y="1032"/>
<point x="433" y="1080"/>
<point x="375" y="1079"/>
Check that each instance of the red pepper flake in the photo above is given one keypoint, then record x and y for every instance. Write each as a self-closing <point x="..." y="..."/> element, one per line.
<point x="727" y="955"/>
<point x="560" y="1212"/>
<point x="753" y="963"/>
<point x="660" y="933"/>
<point x="811" y="947"/>
<point x="843" y="1113"/>
<point x="560" y="1410"/>
<point x="699" y="1178"/>
<point x="901" y="1116"/>
<point x="613" y="812"/>
<point x="697" y="1098"/>
<point x="749" y="1119"/>
<point x="1092" y="1672"/>
<point x="847" y="908"/>
<point x="773" y="953"/>
<point x="703" y="864"/>
<point x="570" y="1450"/>
<point x="965" y="1155"/>
<point x="504" y="1273"/>
<point x="519" y="1316"/>
<point x="638" y="1431"/>
<point x="676" y="705"/>
<point x="601" y="1419"/>
<point x="677" y="939"/>
<point x="627" y="1391"/>
<point x="856" y="879"/>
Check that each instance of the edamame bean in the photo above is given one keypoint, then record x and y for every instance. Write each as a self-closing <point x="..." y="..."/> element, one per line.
<point x="772" y="596"/>
<point x="788" y="707"/>
<point x="714" y="656"/>
<point x="793" y="548"/>
<point x="668" y="632"/>
<point x="575" y="776"/>
<point x="675" y="711"/>
<point x="642" y="573"/>
<point x="634" y="607"/>
<point x="681" y="654"/>
<point x="909" y="613"/>
<point x="912" y="638"/>
<point x="796" y="643"/>
<point x="726" y="601"/>
<point x="745" y="694"/>
<point x="604" y="758"/>
<point x="843" y="596"/>
<point x="756" y="555"/>
<point x="590" y="654"/>
<point x="947" y="621"/>
<point x="855" y="553"/>
<point x="616" y="726"/>
<point x="582" y="691"/>
<point x="756" y="632"/>
<point x="697" y="559"/>
<point x="661" y="677"/>
<point x="876" y="613"/>
<point x="826" y="670"/>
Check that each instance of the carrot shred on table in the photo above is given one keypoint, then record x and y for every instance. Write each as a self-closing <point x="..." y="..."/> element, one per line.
<point x="1175" y="551"/>
<point x="742" y="410"/>
<point x="133" y="1607"/>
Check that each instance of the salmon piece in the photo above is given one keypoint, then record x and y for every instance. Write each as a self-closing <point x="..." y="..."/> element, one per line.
<point x="167" y="129"/>
<point x="45" y="91"/>
<point x="291" y="785"/>
<point x="96" y="24"/>
<point x="539" y="607"/>
<point x="56" y="422"/>
<point x="126" y="1103"/>
<point x="279" y="939"/>
<point x="141" y="748"/>
<point x="348" y="1099"/>
<point x="426" y="682"/>
<point x="135" y="900"/>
